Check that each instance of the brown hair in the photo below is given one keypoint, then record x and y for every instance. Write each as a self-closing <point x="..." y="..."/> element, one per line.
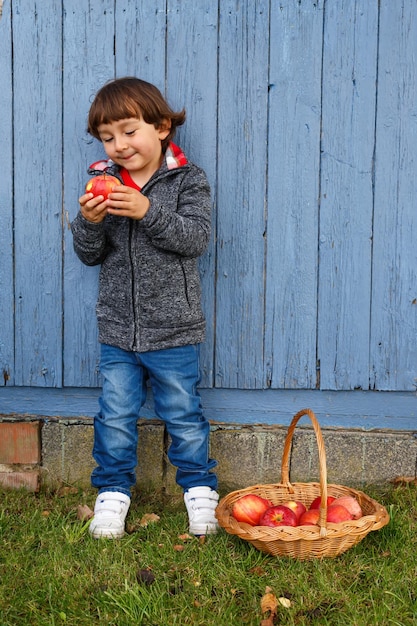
<point x="132" y="97"/>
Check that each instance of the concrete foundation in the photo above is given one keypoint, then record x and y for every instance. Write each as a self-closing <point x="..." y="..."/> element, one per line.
<point x="246" y="455"/>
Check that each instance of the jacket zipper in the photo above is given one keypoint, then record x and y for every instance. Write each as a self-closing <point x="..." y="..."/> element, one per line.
<point x="132" y="266"/>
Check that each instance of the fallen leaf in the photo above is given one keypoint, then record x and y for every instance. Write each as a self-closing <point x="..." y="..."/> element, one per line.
<point x="257" y="570"/>
<point x="84" y="512"/>
<point x="46" y="513"/>
<point x="405" y="480"/>
<point x="184" y="537"/>
<point x="145" y="576"/>
<point x="149" y="518"/>
<point x="178" y="548"/>
<point x="285" y="602"/>
<point x="269" y="602"/>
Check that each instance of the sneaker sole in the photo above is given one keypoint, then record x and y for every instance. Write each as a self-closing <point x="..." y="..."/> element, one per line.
<point x="200" y="531"/>
<point x="107" y="534"/>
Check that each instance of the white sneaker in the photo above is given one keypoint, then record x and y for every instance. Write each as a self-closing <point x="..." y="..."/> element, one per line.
<point x="110" y="512"/>
<point x="201" y="503"/>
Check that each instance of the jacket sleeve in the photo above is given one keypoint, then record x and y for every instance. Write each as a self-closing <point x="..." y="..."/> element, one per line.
<point x="89" y="240"/>
<point x="185" y="231"/>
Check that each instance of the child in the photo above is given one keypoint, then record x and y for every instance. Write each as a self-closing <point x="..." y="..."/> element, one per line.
<point x="147" y="236"/>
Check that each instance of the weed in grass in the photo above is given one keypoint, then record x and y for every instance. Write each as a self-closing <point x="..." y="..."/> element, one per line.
<point x="52" y="572"/>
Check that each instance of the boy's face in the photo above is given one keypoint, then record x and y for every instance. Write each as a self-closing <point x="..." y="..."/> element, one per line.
<point x="134" y="144"/>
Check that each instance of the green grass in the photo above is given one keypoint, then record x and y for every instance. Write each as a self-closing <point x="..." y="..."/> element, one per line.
<point x="53" y="573"/>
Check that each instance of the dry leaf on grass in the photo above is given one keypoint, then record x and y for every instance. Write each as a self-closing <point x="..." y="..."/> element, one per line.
<point x="285" y="602"/>
<point x="269" y="603"/>
<point x="149" y="518"/>
<point x="405" y="480"/>
<point x="84" y="512"/>
<point x="145" y="576"/>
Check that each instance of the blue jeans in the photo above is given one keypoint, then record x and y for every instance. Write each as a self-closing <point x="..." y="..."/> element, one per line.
<point x="174" y="376"/>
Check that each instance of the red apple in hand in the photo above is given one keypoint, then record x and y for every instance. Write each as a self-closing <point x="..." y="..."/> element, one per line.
<point x="278" y="515"/>
<point x="337" y="513"/>
<point x="102" y="185"/>
<point x="296" y="506"/>
<point x="317" y="501"/>
<point x="351" y="504"/>
<point x="249" y="508"/>
<point x="309" y="518"/>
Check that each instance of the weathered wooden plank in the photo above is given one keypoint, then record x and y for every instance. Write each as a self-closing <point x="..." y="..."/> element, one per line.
<point x="394" y="288"/>
<point x="88" y="62"/>
<point x="140" y="40"/>
<point x="348" y="127"/>
<point x="362" y="410"/>
<point x="293" y="190"/>
<point x="241" y="196"/>
<point x="37" y="116"/>
<point x="192" y="82"/>
<point x="7" y="369"/>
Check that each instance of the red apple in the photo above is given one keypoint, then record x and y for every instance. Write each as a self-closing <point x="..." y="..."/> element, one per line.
<point x="296" y="506"/>
<point x="309" y="518"/>
<point x="337" y="513"/>
<point x="278" y="515"/>
<point x="317" y="501"/>
<point x="249" y="508"/>
<point x="351" y="504"/>
<point x="102" y="185"/>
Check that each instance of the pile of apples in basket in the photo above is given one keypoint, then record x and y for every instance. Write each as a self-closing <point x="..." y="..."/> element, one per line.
<point x="258" y="511"/>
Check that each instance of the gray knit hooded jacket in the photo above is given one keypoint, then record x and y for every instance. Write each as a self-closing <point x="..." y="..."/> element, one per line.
<point x="149" y="285"/>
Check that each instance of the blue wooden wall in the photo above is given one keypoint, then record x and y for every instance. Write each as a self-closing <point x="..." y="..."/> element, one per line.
<point x="303" y="114"/>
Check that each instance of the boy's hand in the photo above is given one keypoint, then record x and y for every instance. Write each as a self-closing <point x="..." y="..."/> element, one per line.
<point x="127" y="202"/>
<point x="94" y="209"/>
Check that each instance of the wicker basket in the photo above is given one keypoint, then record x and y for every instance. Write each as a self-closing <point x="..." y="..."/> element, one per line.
<point x="304" y="542"/>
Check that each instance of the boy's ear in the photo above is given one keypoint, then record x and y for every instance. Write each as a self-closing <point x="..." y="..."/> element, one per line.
<point x="164" y="128"/>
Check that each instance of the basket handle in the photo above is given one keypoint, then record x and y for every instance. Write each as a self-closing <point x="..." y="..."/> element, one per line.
<point x="285" y="466"/>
